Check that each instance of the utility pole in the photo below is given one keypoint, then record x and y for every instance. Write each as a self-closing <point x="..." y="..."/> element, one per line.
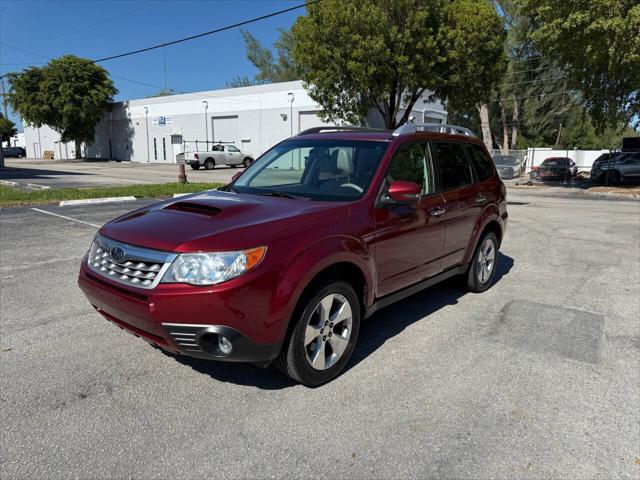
<point x="4" y="98"/>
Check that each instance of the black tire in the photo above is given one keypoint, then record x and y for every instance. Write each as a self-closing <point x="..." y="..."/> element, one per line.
<point x="195" y="166"/>
<point x="246" y="162"/>
<point x="209" y="164"/>
<point x="19" y="155"/>
<point x="474" y="277"/>
<point x="293" y="357"/>
<point x="616" y="177"/>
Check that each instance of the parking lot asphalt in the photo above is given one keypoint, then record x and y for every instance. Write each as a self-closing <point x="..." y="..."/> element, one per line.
<point x="58" y="174"/>
<point x="539" y="377"/>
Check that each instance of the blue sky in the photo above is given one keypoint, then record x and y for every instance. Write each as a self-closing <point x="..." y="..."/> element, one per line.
<point x="95" y="29"/>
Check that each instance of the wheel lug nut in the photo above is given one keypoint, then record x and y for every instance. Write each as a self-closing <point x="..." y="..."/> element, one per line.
<point x="324" y="338"/>
<point x="326" y="323"/>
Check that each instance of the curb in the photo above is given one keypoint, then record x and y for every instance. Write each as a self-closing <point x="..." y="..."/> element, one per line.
<point x="9" y="182"/>
<point x="38" y="187"/>
<point x="89" y="201"/>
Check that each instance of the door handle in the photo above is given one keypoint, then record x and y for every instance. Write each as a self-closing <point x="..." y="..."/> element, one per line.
<point x="437" y="211"/>
<point x="481" y="199"/>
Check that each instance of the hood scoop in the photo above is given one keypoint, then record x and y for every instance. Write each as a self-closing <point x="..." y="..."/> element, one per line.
<point x="194" y="207"/>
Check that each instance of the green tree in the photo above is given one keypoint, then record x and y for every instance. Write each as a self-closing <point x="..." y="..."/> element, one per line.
<point x="70" y="94"/>
<point x="7" y="129"/>
<point x="597" y="43"/>
<point x="281" y="68"/>
<point x="355" y="55"/>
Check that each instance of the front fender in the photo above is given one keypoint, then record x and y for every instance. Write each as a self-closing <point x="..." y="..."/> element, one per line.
<point x="319" y="256"/>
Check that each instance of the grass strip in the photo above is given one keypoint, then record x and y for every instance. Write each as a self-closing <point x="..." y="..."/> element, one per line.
<point x="12" y="197"/>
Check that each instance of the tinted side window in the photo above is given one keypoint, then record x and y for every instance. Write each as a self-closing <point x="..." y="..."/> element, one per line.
<point x="453" y="166"/>
<point x="410" y="165"/>
<point x="480" y="161"/>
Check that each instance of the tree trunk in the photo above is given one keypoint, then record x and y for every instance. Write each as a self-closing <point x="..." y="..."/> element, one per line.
<point x="483" y="110"/>
<point x="78" y="149"/>
<point x="504" y="149"/>
<point x="559" y="133"/>
<point x="514" y="129"/>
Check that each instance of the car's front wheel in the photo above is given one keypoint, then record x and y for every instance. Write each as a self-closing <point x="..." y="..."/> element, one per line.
<point x="324" y="336"/>
<point x="482" y="269"/>
<point x="209" y="164"/>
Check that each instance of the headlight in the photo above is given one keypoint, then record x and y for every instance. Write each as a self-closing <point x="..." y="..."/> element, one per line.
<point x="212" y="268"/>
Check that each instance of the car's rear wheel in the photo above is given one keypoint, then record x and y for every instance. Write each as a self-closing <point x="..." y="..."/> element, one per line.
<point x="195" y="166"/>
<point x="324" y="336"/>
<point x="482" y="269"/>
<point x="209" y="164"/>
<point x="246" y="162"/>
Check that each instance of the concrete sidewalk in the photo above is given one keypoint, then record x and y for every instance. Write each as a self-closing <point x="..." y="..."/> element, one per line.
<point x="57" y="174"/>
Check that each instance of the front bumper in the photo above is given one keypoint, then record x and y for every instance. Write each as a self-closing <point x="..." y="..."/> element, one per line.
<point x="161" y="319"/>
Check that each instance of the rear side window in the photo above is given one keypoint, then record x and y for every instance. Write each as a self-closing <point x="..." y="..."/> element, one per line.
<point x="480" y="161"/>
<point x="453" y="165"/>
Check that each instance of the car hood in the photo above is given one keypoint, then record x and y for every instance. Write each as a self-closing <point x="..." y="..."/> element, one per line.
<point x="216" y="220"/>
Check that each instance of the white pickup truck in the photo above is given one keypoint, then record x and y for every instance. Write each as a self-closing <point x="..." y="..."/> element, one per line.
<point x="218" y="155"/>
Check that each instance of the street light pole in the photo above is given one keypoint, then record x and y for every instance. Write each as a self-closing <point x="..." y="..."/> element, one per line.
<point x="146" y="123"/>
<point x="291" y="99"/>
<point x="206" y="124"/>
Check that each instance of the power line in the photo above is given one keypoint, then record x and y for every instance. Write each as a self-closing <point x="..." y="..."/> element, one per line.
<point x="533" y="96"/>
<point x="536" y="80"/>
<point x="532" y="70"/>
<point x="114" y="76"/>
<point x="210" y="32"/>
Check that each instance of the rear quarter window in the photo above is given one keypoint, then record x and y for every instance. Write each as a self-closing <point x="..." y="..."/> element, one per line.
<point x="482" y="163"/>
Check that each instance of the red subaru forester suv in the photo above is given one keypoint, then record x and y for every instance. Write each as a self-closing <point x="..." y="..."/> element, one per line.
<point x="285" y="262"/>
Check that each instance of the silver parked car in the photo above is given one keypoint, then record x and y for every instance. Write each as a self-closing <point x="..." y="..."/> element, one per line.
<point x="509" y="166"/>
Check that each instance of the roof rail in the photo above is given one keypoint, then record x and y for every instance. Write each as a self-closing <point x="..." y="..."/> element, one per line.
<point x="329" y="128"/>
<point x="408" y="128"/>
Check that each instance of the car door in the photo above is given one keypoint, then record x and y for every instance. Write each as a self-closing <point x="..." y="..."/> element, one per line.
<point x="234" y="156"/>
<point x="463" y="199"/>
<point x="409" y="237"/>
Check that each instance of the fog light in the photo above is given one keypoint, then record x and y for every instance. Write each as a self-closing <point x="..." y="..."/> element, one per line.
<point x="224" y="345"/>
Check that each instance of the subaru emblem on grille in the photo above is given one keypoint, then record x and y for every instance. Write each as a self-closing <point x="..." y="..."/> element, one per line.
<point x="117" y="254"/>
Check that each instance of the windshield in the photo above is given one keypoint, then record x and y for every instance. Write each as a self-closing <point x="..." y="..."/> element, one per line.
<point x="315" y="169"/>
<point x="506" y="160"/>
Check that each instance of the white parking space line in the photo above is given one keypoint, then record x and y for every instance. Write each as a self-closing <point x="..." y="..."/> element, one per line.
<point x="67" y="218"/>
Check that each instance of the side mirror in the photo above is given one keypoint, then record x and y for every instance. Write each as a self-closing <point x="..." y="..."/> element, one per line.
<point x="404" y="192"/>
<point x="235" y="176"/>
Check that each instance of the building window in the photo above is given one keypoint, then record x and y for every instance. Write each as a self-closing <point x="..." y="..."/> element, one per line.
<point x="155" y="150"/>
<point x="164" y="151"/>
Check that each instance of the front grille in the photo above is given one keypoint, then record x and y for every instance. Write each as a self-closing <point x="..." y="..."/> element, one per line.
<point x="136" y="266"/>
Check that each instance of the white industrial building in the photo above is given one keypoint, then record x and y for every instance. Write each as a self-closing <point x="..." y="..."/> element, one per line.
<point x="158" y="129"/>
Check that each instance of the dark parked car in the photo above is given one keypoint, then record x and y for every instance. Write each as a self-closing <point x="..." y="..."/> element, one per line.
<point x="555" y="168"/>
<point x="15" y="152"/>
<point x="619" y="167"/>
<point x="317" y="234"/>
<point x="509" y="166"/>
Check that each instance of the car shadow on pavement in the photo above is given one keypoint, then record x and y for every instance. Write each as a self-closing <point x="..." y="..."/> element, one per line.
<point x="12" y="173"/>
<point x="374" y="332"/>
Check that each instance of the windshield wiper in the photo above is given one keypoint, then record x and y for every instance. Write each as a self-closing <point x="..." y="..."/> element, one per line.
<point x="278" y="194"/>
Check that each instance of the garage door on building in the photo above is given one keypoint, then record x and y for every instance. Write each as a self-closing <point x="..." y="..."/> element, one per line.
<point x="225" y="129"/>
<point x="309" y="120"/>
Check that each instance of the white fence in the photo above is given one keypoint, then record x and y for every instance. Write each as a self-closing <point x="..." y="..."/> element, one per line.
<point x="583" y="158"/>
<point x="535" y="156"/>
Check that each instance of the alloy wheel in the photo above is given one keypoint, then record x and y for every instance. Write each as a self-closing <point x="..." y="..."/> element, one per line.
<point x="486" y="260"/>
<point x="328" y="331"/>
